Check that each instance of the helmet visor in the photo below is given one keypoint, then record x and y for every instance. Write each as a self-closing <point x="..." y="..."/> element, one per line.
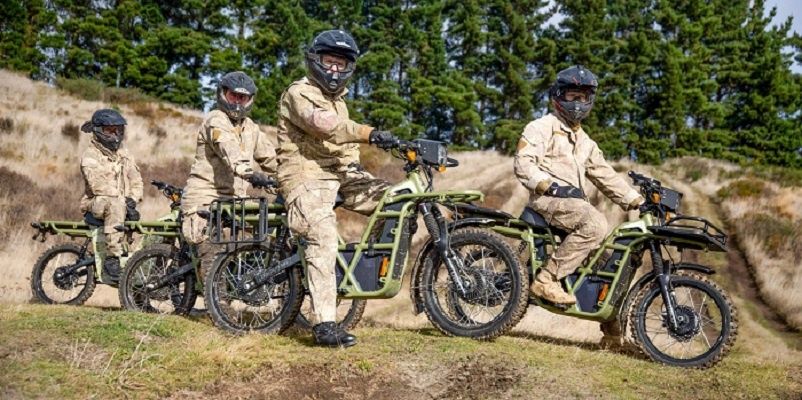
<point x="582" y="94"/>
<point x="333" y="63"/>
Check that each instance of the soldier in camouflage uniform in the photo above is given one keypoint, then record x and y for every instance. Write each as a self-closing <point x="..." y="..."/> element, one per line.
<point x="555" y="160"/>
<point x="112" y="181"/>
<point x="318" y="156"/>
<point x="227" y="142"/>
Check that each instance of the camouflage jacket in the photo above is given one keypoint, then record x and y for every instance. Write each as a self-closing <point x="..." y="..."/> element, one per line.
<point x="316" y="137"/>
<point x="223" y="156"/>
<point x="549" y="151"/>
<point x="108" y="173"/>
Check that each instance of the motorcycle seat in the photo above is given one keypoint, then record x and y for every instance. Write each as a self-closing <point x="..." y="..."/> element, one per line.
<point x="538" y="223"/>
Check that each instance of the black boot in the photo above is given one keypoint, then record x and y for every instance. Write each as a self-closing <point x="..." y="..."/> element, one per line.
<point x="111" y="270"/>
<point x="329" y="334"/>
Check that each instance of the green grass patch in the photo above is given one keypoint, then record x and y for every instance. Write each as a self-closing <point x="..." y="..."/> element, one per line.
<point x="180" y="355"/>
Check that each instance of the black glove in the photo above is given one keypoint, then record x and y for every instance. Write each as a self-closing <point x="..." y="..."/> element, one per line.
<point x="259" y="180"/>
<point x="131" y="214"/>
<point x="383" y="139"/>
<point x="565" y="192"/>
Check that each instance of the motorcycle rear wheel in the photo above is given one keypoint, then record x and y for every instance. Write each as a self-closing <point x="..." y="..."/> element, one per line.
<point x="73" y="288"/>
<point x="271" y="308"/>
<point x="147" y="266"/>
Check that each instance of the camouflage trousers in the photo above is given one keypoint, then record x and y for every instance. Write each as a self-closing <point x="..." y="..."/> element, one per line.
<point x="310" y="208"/>
<point x="194" y="230"/>
<point x="112" y="211"/>
<point x="587" y="228"/>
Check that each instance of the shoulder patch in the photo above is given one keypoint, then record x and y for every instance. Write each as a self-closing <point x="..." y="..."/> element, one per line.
<point x="522" y="143"/>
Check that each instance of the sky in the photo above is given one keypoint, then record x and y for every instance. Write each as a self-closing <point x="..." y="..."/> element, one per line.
<point x="786" y="8"/>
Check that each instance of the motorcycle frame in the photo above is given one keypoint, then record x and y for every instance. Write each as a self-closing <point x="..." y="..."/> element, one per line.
<point x="411" y="192"/>
<point x="166" y="226"/>
<point x="641" y="239"/>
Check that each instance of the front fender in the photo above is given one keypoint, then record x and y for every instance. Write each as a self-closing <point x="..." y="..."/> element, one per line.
<point x="649" y="276"/>
<point x="428" y="246"/>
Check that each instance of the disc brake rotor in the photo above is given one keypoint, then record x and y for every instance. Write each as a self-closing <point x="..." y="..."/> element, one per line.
<point x="689" y="324"/>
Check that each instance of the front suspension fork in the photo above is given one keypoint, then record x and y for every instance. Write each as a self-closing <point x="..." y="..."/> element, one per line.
<point x="436" y="225"/>
<point x="663" y="275"/>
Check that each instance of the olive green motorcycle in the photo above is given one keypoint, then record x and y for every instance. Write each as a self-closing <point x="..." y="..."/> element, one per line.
<point x="258" y="285"/>
<point x="676" y="314"/>
<point x="67" y="273"/>
<point x="162" y="276"/>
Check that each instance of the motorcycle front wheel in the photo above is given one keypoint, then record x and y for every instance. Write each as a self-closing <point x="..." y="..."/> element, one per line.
<point x="55" y="281"/>
<point x="494" y="297"/>
<point x="706" y="322"/>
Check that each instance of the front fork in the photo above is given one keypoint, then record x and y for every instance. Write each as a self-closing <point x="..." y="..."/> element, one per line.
<point x="436" y="225"/>
<point x="662" y="273"/>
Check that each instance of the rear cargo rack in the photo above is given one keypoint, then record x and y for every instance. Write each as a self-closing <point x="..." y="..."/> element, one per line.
<point x="238" y="221"/>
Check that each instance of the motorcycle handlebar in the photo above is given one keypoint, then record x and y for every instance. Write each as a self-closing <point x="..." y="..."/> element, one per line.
<point x="166" y="188"/>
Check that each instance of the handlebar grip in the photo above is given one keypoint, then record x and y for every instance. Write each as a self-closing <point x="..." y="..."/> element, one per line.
<point x="451" y="162"/>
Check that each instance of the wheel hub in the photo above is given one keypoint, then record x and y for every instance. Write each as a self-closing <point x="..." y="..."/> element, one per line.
<point x="485" y="288"/>
<point x="254" y="297"/>
<point x="63" y="279"/>
<point x="688" y="324"/>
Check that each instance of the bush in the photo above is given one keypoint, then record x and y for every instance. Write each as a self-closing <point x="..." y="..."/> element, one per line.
<point x="71" y="132"/>
<point x="86" y="89"/>
<point x="749" y="187"/>
<point x="777" y="236"/>
<point x="6" y="125"/>
<point x="93" y="90"/>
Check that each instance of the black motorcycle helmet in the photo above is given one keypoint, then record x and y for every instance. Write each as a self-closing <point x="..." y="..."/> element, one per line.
<point x="108" y="127"/>
<point x="237" y="82"/>
<point x="336" y="42"/>
<point x="576" y="77"/>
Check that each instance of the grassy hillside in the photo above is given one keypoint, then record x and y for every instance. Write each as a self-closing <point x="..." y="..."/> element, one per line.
<point x="54" y="352"/>
<point x="79" y="352"/>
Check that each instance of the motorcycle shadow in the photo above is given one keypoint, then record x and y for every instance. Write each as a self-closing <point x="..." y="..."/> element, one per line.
<point x="627" y="349"/>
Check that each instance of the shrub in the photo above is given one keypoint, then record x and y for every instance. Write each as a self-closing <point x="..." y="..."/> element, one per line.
<point x="125" y="96"/>
<point x="71" y="132"/>
<point x="749" y="187"/>
<point x="157" y="131"/>
<point x="93" y="90"/>
<point x="86" y="89"/>
<point x="6" y="125"/>
<point x="777" y="236"/>
<point x="143" y="110"/>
